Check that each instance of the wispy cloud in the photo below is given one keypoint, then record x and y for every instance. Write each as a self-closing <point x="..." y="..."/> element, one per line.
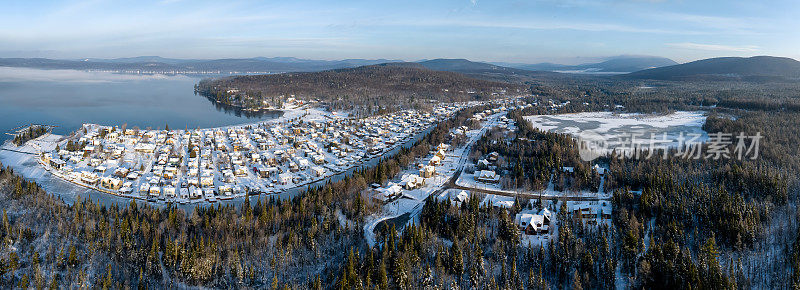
<point x="727" y="24"/>
<point x="714" y="47"/>
<point x="540" y="24"/>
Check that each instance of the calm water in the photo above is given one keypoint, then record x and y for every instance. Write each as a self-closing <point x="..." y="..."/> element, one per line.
<point x="69" y="98"/>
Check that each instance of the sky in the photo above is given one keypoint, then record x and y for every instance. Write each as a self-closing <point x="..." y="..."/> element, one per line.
<point x="560" y="31"/>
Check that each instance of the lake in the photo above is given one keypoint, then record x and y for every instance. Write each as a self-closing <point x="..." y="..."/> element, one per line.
<point x="69" y="98"/>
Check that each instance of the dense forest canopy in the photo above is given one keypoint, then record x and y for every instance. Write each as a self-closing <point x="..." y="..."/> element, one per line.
<point x="395" y="85"/>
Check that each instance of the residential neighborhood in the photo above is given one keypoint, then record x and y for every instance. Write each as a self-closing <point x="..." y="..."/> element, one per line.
<point x="222" y="163"/>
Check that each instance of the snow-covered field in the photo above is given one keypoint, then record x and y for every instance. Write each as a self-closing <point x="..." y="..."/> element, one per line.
<point x="618" y="129"/>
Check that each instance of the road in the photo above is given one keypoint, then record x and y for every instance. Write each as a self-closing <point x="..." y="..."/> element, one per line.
<point x="451" y="183"/>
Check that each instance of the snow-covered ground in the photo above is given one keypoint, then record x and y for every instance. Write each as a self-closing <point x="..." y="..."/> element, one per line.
<point x="468" y="180"/>
<point x="617" y="129"/>
<point x="413" y="200"/>
<point x="597" y="213"/>
<point x="607" y="121"/>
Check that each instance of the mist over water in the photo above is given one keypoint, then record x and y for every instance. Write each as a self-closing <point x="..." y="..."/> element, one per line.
<point x="69" y="98"/>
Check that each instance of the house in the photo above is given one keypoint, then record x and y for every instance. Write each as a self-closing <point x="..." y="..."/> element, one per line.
<point x="132" y="176"/>
<point x="530" y="223"/>
<point x="209" y="195"/>
<point x="493" y="157"/>
<point x="195" y="193"/>
<point x="225" y="189"/>
<point x="89" y="178"/>
<point x="111" y="183"/>
<point x="390" y="192"/>
<point x="441" y="154"/>
<point x="184" y="193"/>
<point x="261" y="171"/>
<point x="100" y="169"/>
<point x="412" y="181"/>
<point x="319" y="159"/>
<point x="145" y="148"/>
<point x="375" y="150"/>
<point x="284" y="178"/>
<point x="121" y="172"/>
<point x="240" y="171"/>
<point x="487" y="176"/>
<point x="207" y="181"/>
<point x="155" y="191"/>
<point x="427" y="171"/>
<point x="459" y="198"/>
<point x="169" y="191"/>
<point x="584" y="211"/>
<point x="57" y="163"/>
<point x="435" y="161"/>
<point x="318" y="171"/>
<point x="126" y="189"/>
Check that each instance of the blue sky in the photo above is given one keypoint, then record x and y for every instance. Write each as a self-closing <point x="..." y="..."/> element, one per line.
<point x="564" y="31"/>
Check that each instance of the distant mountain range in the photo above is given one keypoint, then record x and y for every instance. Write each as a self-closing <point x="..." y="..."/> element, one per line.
<point x="291" y="64"/>
<point x="224" y="66"/>
<point x="637" y="67"/>
<point x="727" y="68"/>
<point x="618" y="64"/>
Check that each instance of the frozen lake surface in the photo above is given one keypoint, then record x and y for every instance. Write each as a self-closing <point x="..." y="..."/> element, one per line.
<point x="618" y="129"/>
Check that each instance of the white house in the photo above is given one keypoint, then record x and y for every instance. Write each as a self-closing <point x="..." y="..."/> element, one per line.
<point x="427" y="171"/>
<point x="318" y="171"/>
<point x="487" y="176"/>
<point x="531" y="223"/>
<point x="459" y="198"/>
<point x="391" y="191"/>
<point x="284" y="178"/>
<point x="412" y="181"/>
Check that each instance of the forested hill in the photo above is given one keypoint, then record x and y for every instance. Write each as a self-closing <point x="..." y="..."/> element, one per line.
<point x="383" y="85"/>
<point x="726" y="68"/>
<point x="467" y="66"/>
